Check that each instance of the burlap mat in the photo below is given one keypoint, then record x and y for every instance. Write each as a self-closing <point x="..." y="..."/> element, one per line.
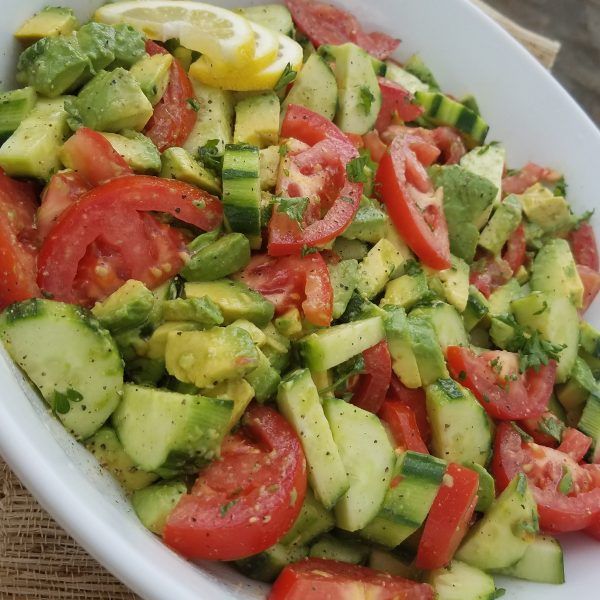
<point x="38" y="560"/>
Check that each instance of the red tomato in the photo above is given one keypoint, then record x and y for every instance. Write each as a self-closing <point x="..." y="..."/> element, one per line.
<point x="323" y="579"/>
<point x="489" y="273"/>
<point x="174" y="117"/>
<point x="356" y="140"/>
<point x="374" y="145"/>
<point x="514" y="253"/>
<point x="373" y="384"/>
<point x="417" y="214"/>
<point x="545" y="468"/>
<point x="584" y="247"/>
<point x="65" y="188"/>
<point x="594" y="529"/>
<point x="422" y="141"/>
<point x="415" y="400"/>
<point x="403" y="424"/>
<point x="449" y="518"/>
<point x="533" y="428"/>
<point x="526" y="177"/>
<point x="503" y="395"/>
<point x="591" y="285"/>
<point x="17" y="241"/>
<point x="293" y="282"/>
<point x="93" y="158"/>
<point x="575" y="444"/>
<point x="450" y="143"/>
<point x="244" y="502"/>
<point x="109" y="214"/>
<point x="325" y="24"/>
<point x="395" y="102"/>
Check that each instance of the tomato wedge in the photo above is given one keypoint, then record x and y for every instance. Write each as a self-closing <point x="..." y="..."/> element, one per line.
<point x="403" y="425"/>
<point x="584" y="247"/>
<point x="323" y="579"/>
<point x="450" y="144"/>
<point x="575" y="444"/>
<point x="516" y="247"/>
<point x="247" y="500"/>
<point x="489" y="273"/>
<point x="449" y="518"/>
<point x="526" y="177"/>
<point x="293" y="282"/>
<point x="173" y="118"/>
<point x="594" y="529"/>
<point x="419" y="218"/>
<point x="574" y="508"/>
<point x="369" y="393"/>
<point x="396" y="102"/>
<point x="546" y="421"/>
<point x="502" y="395"/>
<point x="591" y="285"/>
<point x="415" y="400"/>
<point x="374" y="145"/>
<point x="109" y="212"/>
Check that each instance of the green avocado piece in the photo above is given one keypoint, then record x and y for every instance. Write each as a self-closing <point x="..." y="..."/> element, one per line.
<point x="152" y="73"/>
<point x="178" y="163"/>
<point x="53" y="66"/>
<point x="153" y="504"/>
<point x="138" y="150"/>
<point x="264" y="379"/>
<point x="427" y="350"/>
<point x="51" y="21"/>
<point x="466" y="197"/>
<point x="199" y="310"/>
<point x="369" y="223"/>
<point x="343" y="277"/>
<point x="221" y="258"/>
<point x="130" y="46"/>
<point x="111" y="101"/>
<point x="97" y="42"/>
<point x="500" y="227"/>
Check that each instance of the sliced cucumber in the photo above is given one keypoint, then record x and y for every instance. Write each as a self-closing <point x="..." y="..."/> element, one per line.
<point x="402" y="77"/>
<point x="404" y="361"/>
<point x="14" y="107"/>
<point x="272" y="16"/>
<point x="313" y="521"/>
<point x="477" y="308"/>
<point x="447" y="323"/>
<point x="347" y="551"/>
<point x="460" y="581"/>
<point x="486" y="493"/>
<point x="589" y="423"/>
<point x="427" y="351"/>
<point x="153" y="504"/>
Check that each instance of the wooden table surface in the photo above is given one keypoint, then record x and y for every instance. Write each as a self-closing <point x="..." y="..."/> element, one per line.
<point x="576" y="24"/>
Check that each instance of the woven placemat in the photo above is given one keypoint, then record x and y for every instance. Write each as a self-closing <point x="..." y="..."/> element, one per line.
<point x="38" y="560"/>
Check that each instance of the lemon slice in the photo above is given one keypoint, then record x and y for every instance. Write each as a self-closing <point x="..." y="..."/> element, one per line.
<point x="266" y="46"/>
<point x="222" y="35"/>
<point x="247" y="79"/>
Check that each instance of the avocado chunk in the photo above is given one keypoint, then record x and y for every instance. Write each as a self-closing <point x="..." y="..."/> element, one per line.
<point x="153" y="504"/>
<point x="369" y="223"/>
<point x="377" y="267"/>
<point x="580" y="385"/>
<point x="152" y="73"/>
<point x="235" y="300"/>
<point x="53" y="66"/>
<point x="154" y="348"/>
<point x="549" y="212"/>
<point x="257" y="120"/>
<point x="51" y="21"/>
<point x="466" y="198"/>
<point x="404" y="361"/>
<point x="97" y="42"/>
<point x="111" y="101"/>
<point x="138" y="150"/>
<point x="268" y="162"/>
<point x="202" y="311"/>
<point x="476" y="309"/>
<point x="179" y="164"/>
<point x="206" y="358"/>
<point x="130" y="46"/>
<point x="406" y="291"/>
<point x="343" y="277"/>
<point x="126" y="308"/>
<point x="14" y="107"/>
<point x="290" y="323"/>
<point x="451" y="284"/>
<point x="426" y="349"/>
<point x="239" y="391"/>
<point x="500" y="227"/>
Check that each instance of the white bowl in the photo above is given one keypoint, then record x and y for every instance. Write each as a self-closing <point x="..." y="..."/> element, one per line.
<point x="528" y="111"/>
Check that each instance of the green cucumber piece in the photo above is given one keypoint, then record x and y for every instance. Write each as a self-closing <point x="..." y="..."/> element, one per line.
<point x="153" y="504"/>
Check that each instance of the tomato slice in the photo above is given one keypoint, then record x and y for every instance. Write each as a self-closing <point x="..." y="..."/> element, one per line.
<point x="326" y="24"/>
<point x="594" y="529"/>
<point x="244" y="502"/>
<point x="373" y="384"/>
<point x="396" y="102"/>
<point x="533" y="427"/>
<point x="450" y="144"/>
<point x="403" y="425"/>
<point x="514" y="253"/>
<point x="545" y="468"/>
<point x="489" y="273"/>
<point x="93" y="158"/>
<point x="293" y="282"/>
<point x="173" y="118"/>
<point x="502" y="395"/>
<point x="575" y="444"/>
<point x="526" y="177"/>
<point x="591" y="285"/>
<point x="584" y="247"/>
<point x="324" y="579"/>
<point x="374" y="145"/>
<point x="449" y="517"/>
<point x="419" y="219"/>
<point x="415" y="400"/>
<point x="104" y="212"/>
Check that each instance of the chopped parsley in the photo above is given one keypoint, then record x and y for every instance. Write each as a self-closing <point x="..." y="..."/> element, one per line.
<point x="560" y="189"/>
<point x="61" y="402"/>
<point x="283" y="150"/>
<point x="286" y="78"/>
<point x="551" y="426"/>
<point x="224" y="508"/>
<point x="366" y="98"/>
<point x="355" y="169"/>
<point x="566" y="483"/>
<point x="194" y="104"/>
<point x="210" y="156"/>
<point x="308" y="250"/>
<point x="412" y="268"/>
<point x="294" y="208"/>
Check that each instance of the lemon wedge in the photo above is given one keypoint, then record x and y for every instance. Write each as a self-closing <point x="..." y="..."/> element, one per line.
<point x="248" y="79"/>
<point x="224" y="36"/>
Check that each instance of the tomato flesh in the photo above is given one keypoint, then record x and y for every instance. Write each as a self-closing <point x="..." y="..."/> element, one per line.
<point x="396" y="102"/>
<point x="526" y="177"/>
<point x="403" y="425"/>
<point x="584" y="247"/>
<point x="591" y="285"/>
<point x="514" y="254"/>
<point x="373" y="384"/>
<point x="415" y="400"/>
<point x="575" y="444"/>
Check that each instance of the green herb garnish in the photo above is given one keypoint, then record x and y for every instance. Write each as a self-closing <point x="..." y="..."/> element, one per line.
<point x="286" y="78"/>
<point x="366" y="98"/>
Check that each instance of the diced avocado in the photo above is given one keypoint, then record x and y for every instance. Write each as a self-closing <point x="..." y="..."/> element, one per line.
<point x="178" y="163"/>
<point x="126" y="308"/>
<point x="97" y="42"/>
<point x="219" y="259"/>
<point x="488" y="162"/>
<point x="111" y="101"/>
<point x="266" y="565"/>
<point x="466" y="198"/>
<point x="415" y="66"/>
<point x="459" y="425"/>
<point x="289" y="323"/>
<point x="208" y="357"/>
<point x="522" y="275"/>
<point x="264" y="379"/>
<point x="53" y="66"/>
<point x="257" y="120"/>
<point x="554" y="271"/>
<point x="477" y="308"/>
<point x="407" y="80"/>
<point x="549" y="212"/>
<point x="500" y="227"/>
<point x="589" y="338"/>
<point x="152" y="73"/>
<point x="580" y="385"/>
<point x="392" y="236"/>
<point x="239" y="391"/>
<point x="154" y="348"/>
<point x="334" y="548"/>
<point x="447" y="323"/>
<point x="170" y="433"/>
<point x="276" y="348"/>
<point x="153" y="504"/>
<point x="404" y="361"/>
<point x="350" y="249"/>
<point x="108" y="451"/>
<point x="360" y="308"/>
<point x="199" y="310"/>
<point x="272" y="16"/>
<point x="259" y="337"/>
<point x="130" y="46"/>
<point x="145" y="371"/>
<point x="369" y="223"/>
<point x="460" y="581"/>
<point x="33" y="149"/>
<point x="406" y="291"/>
<point x="502" y="537"/>
<point x="139" y="151"/>
<point x="214" y="119"/>
<point x="426" y="349"/>
<point x="377" y="267"/>
<point x="234" y="299"/>
<point x="454" y="282"/>
<point x="14" y="107"/>
<point x="486" y="492"/>
<point x="343" y="277"/>
<point x="500" y="299"/>
<point x="51" y="21"/>
<point x="268" y="161"/>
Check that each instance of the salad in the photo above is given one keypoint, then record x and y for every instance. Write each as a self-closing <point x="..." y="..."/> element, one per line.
<point x="286" y="291"/>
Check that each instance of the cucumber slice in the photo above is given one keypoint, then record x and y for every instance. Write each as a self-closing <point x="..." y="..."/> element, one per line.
<point x="590" y="425"/>
<point x="447" y="323"/>
<point x="460" y="581"/>
<point x="82" y="382"/>
<point x="343" y="276"/>
<point x="477" y="308"/>
<point x="153" y="504"/>
<point x="486" y="493"/>
<point x="313" y="521"/>
<point x="402" y="77"/>
<point x="347" y="551"/>
<point x="14" y="107"/>
<point x="266" y="566"/>
<point x="368" y="458"/>
<point x="404" y="361"/>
